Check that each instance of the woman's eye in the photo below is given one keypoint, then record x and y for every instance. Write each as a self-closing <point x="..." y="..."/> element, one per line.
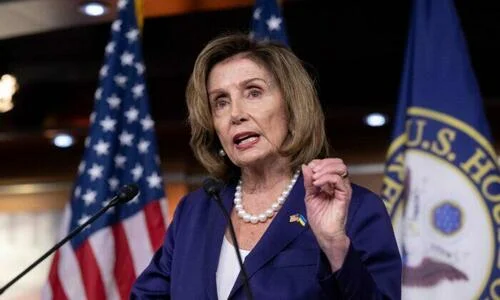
<point x="254" y="93"/>
<point x="220" y="103"/>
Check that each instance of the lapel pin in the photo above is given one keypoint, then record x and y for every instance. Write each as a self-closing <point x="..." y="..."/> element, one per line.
<point x="299" y="219"/>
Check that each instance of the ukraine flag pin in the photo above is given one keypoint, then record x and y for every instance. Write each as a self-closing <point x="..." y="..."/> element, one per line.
<point x="299" y="219"/>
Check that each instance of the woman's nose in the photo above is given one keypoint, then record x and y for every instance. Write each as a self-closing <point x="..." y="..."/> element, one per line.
<point x="238" y="114"/>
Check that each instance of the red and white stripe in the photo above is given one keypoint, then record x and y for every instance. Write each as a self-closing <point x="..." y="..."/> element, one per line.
<point x="107" y="263"/>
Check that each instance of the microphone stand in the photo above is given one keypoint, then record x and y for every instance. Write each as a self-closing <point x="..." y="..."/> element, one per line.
<point x="74" y="232"/>
<point x="235" y="244"/>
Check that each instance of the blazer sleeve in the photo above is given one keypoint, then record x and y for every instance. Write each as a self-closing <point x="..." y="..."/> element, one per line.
<point x="154" y="281"/>
<point x="372" y="267"/>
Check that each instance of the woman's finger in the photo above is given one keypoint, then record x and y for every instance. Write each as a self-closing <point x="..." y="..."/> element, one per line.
<point x="335" y="181"/>
<point x="338" y="169"/>
<point x="334" y="165"/>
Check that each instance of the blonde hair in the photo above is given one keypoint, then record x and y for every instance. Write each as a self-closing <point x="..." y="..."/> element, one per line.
<point x="306" y="138"/>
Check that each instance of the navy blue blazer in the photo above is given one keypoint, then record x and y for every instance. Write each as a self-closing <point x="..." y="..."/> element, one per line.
<point x="286" y="263"/>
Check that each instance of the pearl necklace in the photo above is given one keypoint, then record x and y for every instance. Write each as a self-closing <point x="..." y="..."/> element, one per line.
<point x="254" y="219"/>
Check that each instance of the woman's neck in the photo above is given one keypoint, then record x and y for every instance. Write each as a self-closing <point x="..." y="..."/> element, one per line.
<point x="258" y="180"/>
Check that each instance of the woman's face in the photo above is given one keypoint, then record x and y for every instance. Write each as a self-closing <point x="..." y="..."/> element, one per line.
<point x="248" y="111"/>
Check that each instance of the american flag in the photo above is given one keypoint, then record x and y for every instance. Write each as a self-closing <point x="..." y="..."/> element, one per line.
<point x="267" y="22"/>
<point x="103" y="260"/>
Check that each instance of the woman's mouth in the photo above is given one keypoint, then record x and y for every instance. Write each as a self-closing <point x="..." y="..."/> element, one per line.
<point x="245" y="140"/>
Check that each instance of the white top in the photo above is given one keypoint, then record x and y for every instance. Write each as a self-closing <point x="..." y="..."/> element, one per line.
<point x="228" y="268"/>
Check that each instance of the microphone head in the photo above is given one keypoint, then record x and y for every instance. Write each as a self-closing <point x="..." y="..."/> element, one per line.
<point x="128" y="192"/>
<point x="212" y="186"/>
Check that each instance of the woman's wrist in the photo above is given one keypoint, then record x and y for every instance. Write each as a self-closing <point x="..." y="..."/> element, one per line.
<point x="335" y="250"/>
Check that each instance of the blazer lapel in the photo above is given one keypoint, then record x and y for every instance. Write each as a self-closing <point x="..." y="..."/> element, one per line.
<point x="215" y="233"/>
<point x="278" y="235"/>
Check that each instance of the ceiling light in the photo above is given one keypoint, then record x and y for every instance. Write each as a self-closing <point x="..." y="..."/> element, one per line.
<point x="375" y="120"/>
<point x="8" y="86"/>
<point x="93" y="8"/>
<point x="63" y="140"/>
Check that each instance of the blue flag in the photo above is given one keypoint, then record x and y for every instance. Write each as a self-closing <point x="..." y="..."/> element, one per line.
<point x="442" y="181"/>
<point x="267" y="22"/>
<point x="103" y="260"/>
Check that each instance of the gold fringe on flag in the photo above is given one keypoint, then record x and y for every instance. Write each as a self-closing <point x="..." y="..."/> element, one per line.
<point x="139" y="13"/>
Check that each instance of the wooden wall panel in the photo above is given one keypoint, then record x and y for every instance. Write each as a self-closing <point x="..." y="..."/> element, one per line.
<point x="156" y="8"/>
<point x="36" y="202"/>
<point x="372" y="182"/>
<point x="175" y="192"/>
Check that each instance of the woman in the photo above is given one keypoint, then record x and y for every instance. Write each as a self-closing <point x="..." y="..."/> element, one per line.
<point x="304" y="230"/>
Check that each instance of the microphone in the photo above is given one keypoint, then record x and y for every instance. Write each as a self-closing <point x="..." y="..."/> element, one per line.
<point x="213" y="187"/>
<point x="125" y="194"/>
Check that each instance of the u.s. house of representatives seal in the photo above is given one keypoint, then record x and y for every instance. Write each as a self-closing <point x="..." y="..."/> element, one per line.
<point x="442" y="190"/>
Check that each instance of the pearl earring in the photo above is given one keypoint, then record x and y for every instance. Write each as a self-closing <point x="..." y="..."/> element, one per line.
<point x="222" y="153"/>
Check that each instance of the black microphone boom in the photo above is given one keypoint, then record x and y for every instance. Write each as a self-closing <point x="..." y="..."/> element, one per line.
<point x="126" y="193"/>
<point x="213" y="187"/>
